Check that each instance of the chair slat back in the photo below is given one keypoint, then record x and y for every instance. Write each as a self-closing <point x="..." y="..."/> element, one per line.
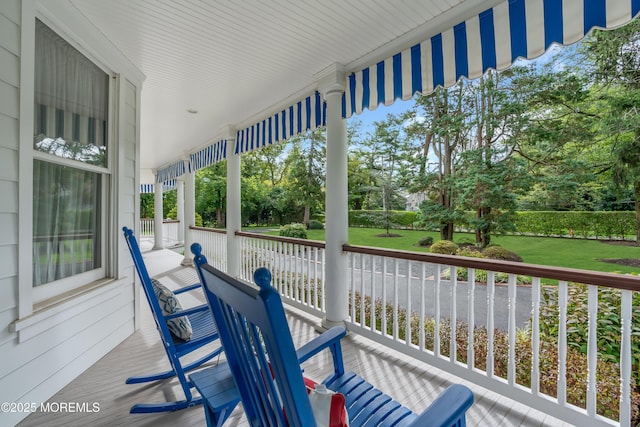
<point x="147" y="286"/>
<point x="258" y="345"/>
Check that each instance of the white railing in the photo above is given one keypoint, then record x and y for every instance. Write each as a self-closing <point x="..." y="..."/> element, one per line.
<point x="214" y="245"/>
<point x="297" y="267"/>
<point x="561" y="343"/>
<point x="170" y="230"/>
<point x="528" y="341"/>
<point x="146" y="227"/>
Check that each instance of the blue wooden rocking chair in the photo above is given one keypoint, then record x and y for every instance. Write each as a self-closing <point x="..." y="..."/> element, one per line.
<point x="257" y="341"/>
<point x="204" y="331"/>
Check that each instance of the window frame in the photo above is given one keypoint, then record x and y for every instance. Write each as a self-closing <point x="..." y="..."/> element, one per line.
<point x="43" y="295"/>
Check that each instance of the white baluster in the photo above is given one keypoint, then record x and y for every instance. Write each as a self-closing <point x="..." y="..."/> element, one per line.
<point x="395" y="299"/>
<point x="592" y="350"/>
<point x="471" y="288"/>
<point x="373" y="293"/>
<point x="535" y="336"/>
<point x="625" y="358"/>
<point x="436" y="298"/>
<point x="351" y="260"/>
<point x="453" y="345"/>
<point x="562" y="343"/>
<point x="422" y="308"/>
<point x="384" y="298"/>
<point x="491" y="292"/>
<point x="511" y="369"/>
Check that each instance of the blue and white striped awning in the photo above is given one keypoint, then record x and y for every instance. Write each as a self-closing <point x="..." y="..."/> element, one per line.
<point x="494" y="39"/>
<point x="304" y="115"/>
<point x="171" y="172"/>
<point x="214" y="153"/>
<point x="146" y="188"/>
<point x="150" y="188"/>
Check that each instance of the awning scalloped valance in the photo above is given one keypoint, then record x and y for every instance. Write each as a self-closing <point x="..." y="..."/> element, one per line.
<point x="493" y="39"/>
<point x="307" y="114"/>
<point x="150" y="188"/>
<point x="171" y="172"/>
<point x="209" y="155"/>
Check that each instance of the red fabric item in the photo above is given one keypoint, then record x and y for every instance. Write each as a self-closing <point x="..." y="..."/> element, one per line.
<point x="338" y="416"/>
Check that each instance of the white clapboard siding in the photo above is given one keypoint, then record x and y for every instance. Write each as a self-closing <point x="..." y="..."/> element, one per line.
<point x="52" y="347"/>
<point x="9" y="143"/>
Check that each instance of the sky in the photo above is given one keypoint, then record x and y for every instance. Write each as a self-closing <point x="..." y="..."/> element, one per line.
<point x="367" y="118"/>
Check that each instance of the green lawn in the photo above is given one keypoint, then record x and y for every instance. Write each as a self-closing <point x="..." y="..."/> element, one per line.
<point x="572" y="253"/>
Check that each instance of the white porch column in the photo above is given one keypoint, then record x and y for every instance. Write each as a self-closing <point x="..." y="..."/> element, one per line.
<point x="180" y="202"/>
<point x="157" y="216"/>
<point x="331" y="84"/>
<point x="189" y="215"/>
<point x="234" y="210"/>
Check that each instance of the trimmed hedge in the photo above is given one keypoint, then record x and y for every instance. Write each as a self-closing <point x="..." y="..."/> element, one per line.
<point x="599" y="224"/>
<point x="577" y="223"/>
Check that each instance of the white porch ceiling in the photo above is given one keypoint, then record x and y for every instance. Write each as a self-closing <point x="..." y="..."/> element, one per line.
<point x="233" y="60"/>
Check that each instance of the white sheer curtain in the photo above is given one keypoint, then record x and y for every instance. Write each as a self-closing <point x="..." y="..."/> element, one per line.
<point x="71" y="112"/>
<point x="71" y="100"/>
<point x="66" y="221"/>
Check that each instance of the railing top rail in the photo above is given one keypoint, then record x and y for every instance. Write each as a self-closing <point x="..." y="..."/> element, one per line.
<point x="303" y="242"/>
<point x="619" y="281"/>
<point x="213" y="230"/>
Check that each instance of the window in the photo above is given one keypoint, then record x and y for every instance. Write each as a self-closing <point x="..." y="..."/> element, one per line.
<point x="70" y="165"/>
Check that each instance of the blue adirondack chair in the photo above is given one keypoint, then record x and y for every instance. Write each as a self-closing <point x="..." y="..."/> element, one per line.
<point x="205" y="332"/>
<point x="257" y="340"/>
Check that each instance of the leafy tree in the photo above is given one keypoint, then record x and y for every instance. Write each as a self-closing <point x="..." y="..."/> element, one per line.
<point x="146" y="205"/>
<point x="438" y="126"/>
<point x="169" y="201"/>
<point x="305" y="173"/>
<point x="211" y="194"/>
<point x="615" y="56"/>
<point x="386" y="149"/>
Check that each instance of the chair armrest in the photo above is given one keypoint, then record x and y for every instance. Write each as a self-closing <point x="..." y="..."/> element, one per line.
<point x="319" y="343"/>
<point x="451" y="405"/>
<point x="331" y="340"/>
<point x="188" y="311"/>
<point x="187" y="288"/>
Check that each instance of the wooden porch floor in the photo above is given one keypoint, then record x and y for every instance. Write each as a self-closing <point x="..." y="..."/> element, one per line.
<point x="411" y="382"/>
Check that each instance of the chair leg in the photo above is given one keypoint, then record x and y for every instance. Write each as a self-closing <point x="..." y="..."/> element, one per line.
<point x="217" y="419"/>
<point x="172" y="373"/>
<point x="147" y="408"/>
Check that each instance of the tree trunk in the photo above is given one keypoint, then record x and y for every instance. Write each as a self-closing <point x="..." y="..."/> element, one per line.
<point x="446" y="232"/>
<point x="220" y="218"/>
<point x="307" y="214"/>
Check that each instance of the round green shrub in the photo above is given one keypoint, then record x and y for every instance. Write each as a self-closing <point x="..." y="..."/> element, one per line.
<point x="426" y="241"/>
<point x="446" y="247"/>
<point x="295" y="230"/>
<point x="316" y="225"/>
<point x="498" y="252"/>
